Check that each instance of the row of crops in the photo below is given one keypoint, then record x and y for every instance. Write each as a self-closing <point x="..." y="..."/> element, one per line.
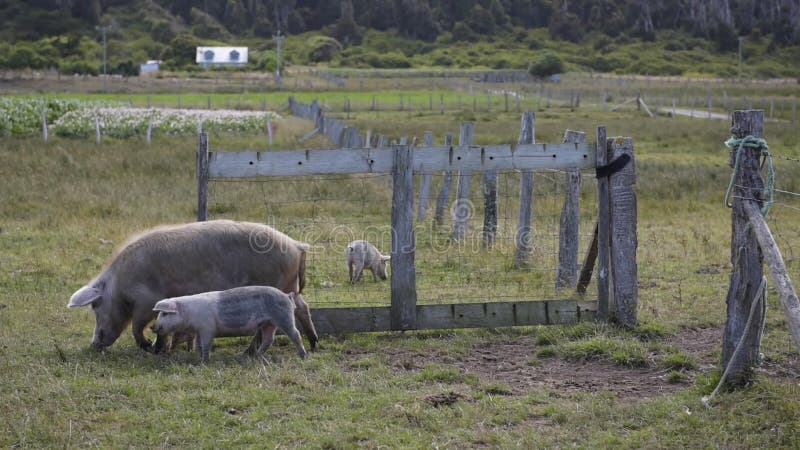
<point x="21" y="117"/>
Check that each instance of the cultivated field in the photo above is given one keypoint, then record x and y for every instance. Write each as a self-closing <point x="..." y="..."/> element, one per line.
<point x="68" y="202"/>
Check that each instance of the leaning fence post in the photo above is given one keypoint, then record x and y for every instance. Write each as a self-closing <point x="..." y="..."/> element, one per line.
<point x="566" y="275"/>
<point x="425" y="181"/>
<point x="527" y="135"/>
<point x="202" y="178"/>
<point x="403" y="313"/>
<point x="746" y="255"/>
<point x="623" y="232"/>
<point x="444" y="193"/>
<point x="462" y="209"/>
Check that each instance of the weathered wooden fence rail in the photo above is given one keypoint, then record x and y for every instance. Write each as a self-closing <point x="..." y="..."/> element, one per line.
<point x="403" y="162"/>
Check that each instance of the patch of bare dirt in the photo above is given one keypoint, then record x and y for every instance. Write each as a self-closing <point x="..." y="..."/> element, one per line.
<point x="443" y="399"/>
<point x="516" y="365"/>
<point x="702" y="343"/>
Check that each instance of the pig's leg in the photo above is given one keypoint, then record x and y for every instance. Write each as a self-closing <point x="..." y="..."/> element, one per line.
<point x="287" y="325"/>
<point x="138" y="324"/>
<point x="204" y="342"/>
<point x="359" y="270"/>
<point x="268" y="334"/>
<point x="143" y="300"/>
<point x="294" y="335"/>
<point x="255" y="344"/>
<point x="374" y="273"/>
<point x="302" y="314"/>
<point x="350" y="270"/>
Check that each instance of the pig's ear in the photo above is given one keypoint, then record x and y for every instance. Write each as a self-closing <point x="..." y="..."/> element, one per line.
<point x="168" y="306"/>
<point x="84" y="296"/>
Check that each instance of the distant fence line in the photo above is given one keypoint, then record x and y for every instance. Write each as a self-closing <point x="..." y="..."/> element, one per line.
<point x="546" y="96"/>
<point x="338" y="132"/>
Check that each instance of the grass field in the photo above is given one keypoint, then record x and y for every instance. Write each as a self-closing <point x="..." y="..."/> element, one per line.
<point x="67" y="203"/>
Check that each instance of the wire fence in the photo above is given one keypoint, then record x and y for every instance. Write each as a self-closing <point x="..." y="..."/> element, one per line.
<point x="330" y="211"/>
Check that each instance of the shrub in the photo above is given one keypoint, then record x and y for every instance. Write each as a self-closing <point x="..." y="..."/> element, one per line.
<point x="547" y="64"/>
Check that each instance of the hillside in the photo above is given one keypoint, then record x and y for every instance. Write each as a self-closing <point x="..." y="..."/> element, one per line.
<point x="664" y="37"/>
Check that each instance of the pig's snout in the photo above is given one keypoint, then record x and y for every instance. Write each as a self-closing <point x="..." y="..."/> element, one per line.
<point x="156" y="328"/>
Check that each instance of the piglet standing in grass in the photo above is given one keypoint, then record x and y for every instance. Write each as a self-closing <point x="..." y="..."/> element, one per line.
<point x="239" y="311"/>
<point x="362" y="254"/>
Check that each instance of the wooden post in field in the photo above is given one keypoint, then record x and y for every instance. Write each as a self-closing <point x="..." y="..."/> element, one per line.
<point x="463" y="208"/>
<point x="489" y="207"/>
<point x="269" y="130"/>
<point x="568" y="239"/>
<point x="794" y="112"/>
<point x="623" y="233"/>
<point x="444" y="193"/>
<point x="441" y="104"/>
<point x="202" y="178"/>
<point x="96" y="128"/>
<point x="404" y="283"/>
<point x="527" y="135"/>
<point x="604" y="302"/>
<point x="746" y="255"/>
<point x="425" y="181"/>
<point x="44" y="124"/>
<point x="149" y="134"/>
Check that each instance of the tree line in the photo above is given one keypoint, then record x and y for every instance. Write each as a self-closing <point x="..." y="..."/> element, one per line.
<point x="346" y="20"/>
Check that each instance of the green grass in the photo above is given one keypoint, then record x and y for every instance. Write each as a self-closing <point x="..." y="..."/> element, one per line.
<point x="64" y="199"/>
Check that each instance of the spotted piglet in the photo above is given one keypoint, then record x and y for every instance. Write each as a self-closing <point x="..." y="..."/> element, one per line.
<point x="239" y="311"/>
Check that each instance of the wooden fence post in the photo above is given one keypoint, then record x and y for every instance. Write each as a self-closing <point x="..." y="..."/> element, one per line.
<point x="269" y="131"/>
<point x="444" y="193"/>
<point x="746" y="255"/>
<point x="44" y="124"/>
<point x="527" y="135"/>
<point x="97" y="137"/>
<point x="149" y="133"/>
<point x="425" y="181"/>
<point x="463" y="209"/>
<point x="604" y="302"/>
<point x="403" y="312"/>
<point x="202" y="178"/>
<point x="623" y="233"/>
<point x="490" y="205"/>
<point x="568" y="239"/>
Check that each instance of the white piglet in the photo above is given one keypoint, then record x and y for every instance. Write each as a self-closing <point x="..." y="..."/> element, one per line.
<point x="361" y="254"/>
<point x="239" y="311"/>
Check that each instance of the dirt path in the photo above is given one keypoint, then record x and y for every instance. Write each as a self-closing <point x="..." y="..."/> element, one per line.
<point x="696" y="113"/>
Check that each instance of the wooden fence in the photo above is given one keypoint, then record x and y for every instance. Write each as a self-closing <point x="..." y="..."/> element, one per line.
<point x="615" y="240"/>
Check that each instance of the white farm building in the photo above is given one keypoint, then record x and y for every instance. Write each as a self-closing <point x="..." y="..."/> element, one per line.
<point x="221" y="56"/>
